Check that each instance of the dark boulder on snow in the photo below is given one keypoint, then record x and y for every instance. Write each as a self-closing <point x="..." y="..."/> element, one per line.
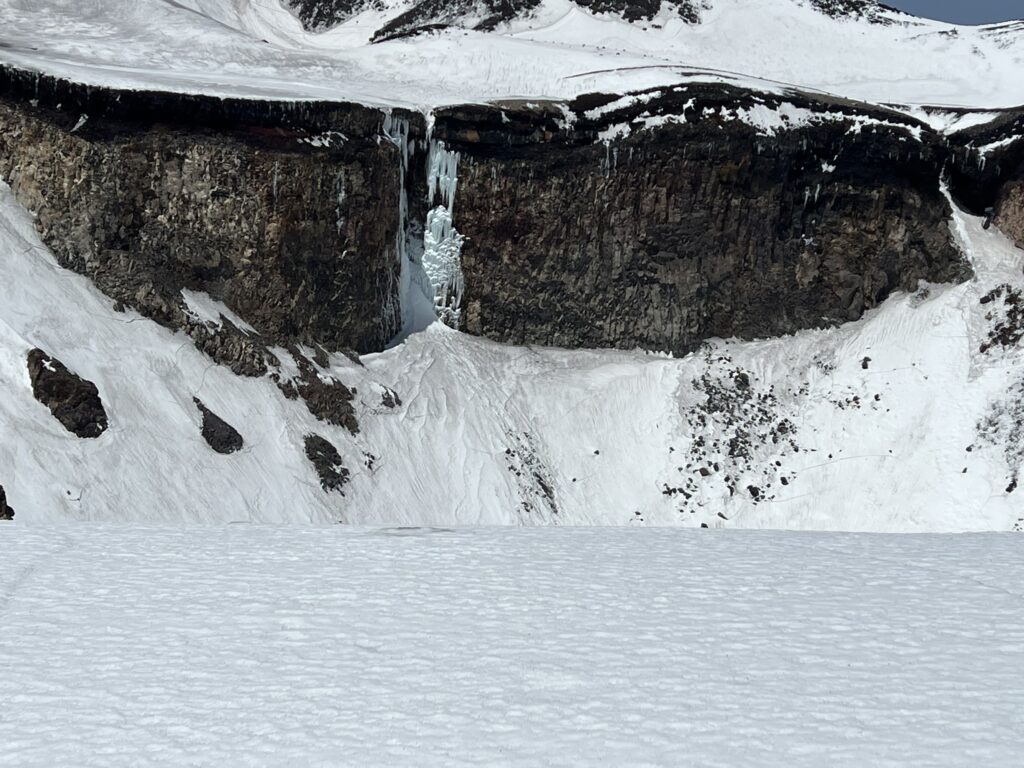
<point x="217" y="433"/>
<point x="327" y="462"/>
<point x="6" y="512"/>
<point x="326" y="398"/>
<point x="73" y="401"/>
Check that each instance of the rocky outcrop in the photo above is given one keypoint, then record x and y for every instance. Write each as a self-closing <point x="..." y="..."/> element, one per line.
<point x="858" y="9"/>
<point x="6" y="511"/>
<point x="218" y="434"/>
<point x="703" y="213"/>
<point x="641" y="10"/>
<point x="72" y="400"/>
<point x="987" y="172"/>
<point x="327" y="399"/>
<point x="328" y="464"/>
<point x="285" y="212"/>
<point x="427" y="15"/>
<point x="317" y="15"/>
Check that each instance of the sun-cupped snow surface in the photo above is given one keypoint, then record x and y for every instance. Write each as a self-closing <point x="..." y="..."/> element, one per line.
<point x="239" y="645"/>
<point x="897" y="422"/>
<point x="258" y="48"/>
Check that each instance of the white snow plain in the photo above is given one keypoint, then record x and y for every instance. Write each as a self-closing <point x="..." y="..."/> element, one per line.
<point x="256" y="48"/>
<point x="260" y="646"/>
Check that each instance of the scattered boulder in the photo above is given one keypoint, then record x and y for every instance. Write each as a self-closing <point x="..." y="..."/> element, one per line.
<point x="72" y="400"/>
<point x="217" y="433"/>
<point x="327" y="462"/>
<point x="390" y="398"/>
<point x="6" y="513"/>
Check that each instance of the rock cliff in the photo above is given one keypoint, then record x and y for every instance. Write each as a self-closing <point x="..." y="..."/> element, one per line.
<point x="286" y="213"/>
<point x="655" y="220"/>
<point x="704" y="211"/>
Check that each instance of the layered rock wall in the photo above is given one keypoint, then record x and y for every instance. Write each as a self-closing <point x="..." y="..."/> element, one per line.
<point x="695" y="226"/>
<point x="286" y="213"/>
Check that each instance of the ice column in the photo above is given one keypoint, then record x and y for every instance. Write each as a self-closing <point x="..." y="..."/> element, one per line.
<point x="442" y="243"/>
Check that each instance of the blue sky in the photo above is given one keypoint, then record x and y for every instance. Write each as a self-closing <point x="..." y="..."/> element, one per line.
<point x="962" y="11"/>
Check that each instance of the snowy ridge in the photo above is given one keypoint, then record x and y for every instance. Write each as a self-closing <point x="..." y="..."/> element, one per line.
<point x="831" y="425"/>
<point x="558" y="50"/>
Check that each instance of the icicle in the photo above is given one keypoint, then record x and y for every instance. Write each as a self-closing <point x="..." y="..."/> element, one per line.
<point x="396" y="130"/>
<point x="442" y="243"/>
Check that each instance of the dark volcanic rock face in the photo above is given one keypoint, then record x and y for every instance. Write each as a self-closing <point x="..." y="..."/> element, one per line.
<point x="438" y="14"/>
<point x="988" y="171"/>
<point x="866" y="9"/>
<point x="637" y="10"/>
<point x="324" y="14"/>
<point x="689" y="231"/>
<point x="217" y="433"/>
<point x="287" y="214"/>
<point x="485" y="15"/>
<point x="72" y="400"/>
<point x="328" y="464"/>
<point x="6" y="512"/>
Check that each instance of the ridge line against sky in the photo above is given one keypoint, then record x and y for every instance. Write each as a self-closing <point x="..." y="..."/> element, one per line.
<point x="962" y="11"/>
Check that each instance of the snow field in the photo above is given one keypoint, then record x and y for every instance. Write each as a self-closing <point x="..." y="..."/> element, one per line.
<point x="258" y="49"/>
<point x="131" y="646"/>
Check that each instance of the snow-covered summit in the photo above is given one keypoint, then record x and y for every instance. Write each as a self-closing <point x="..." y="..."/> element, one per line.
<point x="426" y="53"/>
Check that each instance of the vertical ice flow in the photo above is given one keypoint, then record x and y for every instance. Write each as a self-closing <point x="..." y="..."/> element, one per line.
<point x="442" y="243"/>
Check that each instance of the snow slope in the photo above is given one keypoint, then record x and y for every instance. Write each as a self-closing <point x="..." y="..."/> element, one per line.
<point x="798" y="432"/>
<point x="258" y="48"/>
<point x="125" y="646"/>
